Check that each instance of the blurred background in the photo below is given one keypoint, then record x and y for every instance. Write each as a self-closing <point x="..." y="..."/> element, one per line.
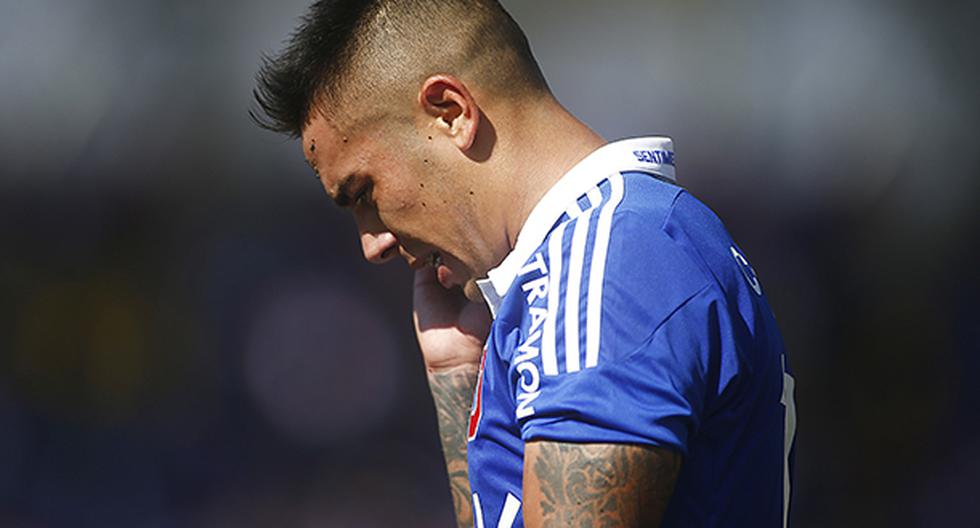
<point x="189" y="337"/>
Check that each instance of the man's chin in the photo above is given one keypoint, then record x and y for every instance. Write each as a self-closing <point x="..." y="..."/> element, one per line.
<point x="472" y="291"/>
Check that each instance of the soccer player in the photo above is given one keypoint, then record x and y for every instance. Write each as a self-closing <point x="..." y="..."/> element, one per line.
<point x="633" y="373"/>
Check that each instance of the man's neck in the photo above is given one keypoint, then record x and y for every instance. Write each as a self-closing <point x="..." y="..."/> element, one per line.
<point x="550" y="142"/>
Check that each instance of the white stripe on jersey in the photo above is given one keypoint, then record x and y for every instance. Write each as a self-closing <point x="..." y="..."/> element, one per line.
<point x="598" y="271"/>
<point x="574" y="287"/>
<point x="477" y="511"/>
<point x="595" y="198"/>
<point x="549" y="358"/>
<point x="512" y="505"/>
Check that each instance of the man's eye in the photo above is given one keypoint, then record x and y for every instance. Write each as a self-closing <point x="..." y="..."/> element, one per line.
<point x="362" y="197"/>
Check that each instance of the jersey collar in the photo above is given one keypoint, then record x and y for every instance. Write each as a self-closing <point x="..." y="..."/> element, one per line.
<point x="649" y="154"/>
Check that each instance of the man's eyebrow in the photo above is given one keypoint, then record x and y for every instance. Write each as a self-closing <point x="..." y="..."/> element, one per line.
<point x="341" y="195"/>
<point x="311" y="158"/>
<point x="311" y="163"/>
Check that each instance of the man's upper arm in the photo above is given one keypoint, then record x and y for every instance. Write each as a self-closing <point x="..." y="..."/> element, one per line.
<point x="594" y="485"/>
<point x="629" y="375"/>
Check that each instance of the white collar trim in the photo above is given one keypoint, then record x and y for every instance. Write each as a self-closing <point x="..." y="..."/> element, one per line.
<point x="649" y="154"/>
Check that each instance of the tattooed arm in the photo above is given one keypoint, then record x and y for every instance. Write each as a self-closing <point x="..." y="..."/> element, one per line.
<point x="597" y="485"/>
<point x="451" y="334"/>
<point x="452" y="392"/>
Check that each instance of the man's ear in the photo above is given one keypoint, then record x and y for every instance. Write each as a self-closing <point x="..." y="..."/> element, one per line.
<point x="447" y="100"/>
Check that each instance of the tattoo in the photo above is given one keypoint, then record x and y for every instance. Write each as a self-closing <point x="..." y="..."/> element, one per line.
<point x="593" y="485"/>
<point x="452" y="392"/>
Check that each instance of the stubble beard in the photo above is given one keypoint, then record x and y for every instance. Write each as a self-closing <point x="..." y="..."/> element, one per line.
<point x="472" y="291"/>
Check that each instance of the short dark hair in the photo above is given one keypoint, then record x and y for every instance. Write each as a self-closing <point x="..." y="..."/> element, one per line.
<point x="335" y="36"/>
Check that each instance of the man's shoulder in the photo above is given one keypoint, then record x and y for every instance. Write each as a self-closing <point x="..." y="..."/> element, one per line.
<point x="629" y="236"/>
<point x="637" y="237"/>
<point x="618" y="255"/>
<point x="645" y="254"/>
<point x="648" y="196"/>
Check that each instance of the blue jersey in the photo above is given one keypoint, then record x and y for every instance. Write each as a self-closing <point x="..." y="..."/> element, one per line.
<point x="626" y="314"/>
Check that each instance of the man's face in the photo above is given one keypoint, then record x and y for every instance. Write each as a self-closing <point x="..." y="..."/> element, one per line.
<point x="403" y="204"/>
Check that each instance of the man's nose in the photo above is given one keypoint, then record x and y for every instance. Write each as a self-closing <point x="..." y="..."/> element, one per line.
<point x="379" y="247"/>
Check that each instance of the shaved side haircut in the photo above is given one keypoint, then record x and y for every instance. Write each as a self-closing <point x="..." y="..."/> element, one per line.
<point x="387" y="48"/>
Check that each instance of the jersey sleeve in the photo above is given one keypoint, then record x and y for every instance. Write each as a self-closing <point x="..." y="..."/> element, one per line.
<point x="638" y="362"/>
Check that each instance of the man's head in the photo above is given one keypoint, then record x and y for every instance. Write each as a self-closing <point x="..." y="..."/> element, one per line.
<point x="392" y="99"/>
